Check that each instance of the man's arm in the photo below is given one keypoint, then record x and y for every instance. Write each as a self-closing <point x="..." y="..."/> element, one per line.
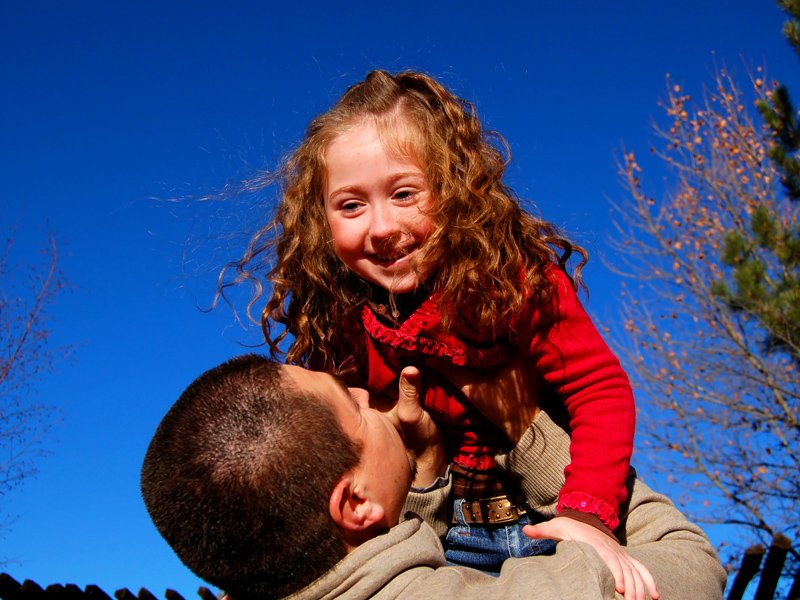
<point x="675" y="551"/>
<point x="420" y="434"/>
<point x="431" y="486"/>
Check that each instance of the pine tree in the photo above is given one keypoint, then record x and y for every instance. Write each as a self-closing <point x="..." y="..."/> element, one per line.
<point x="709" y="320"/>
<point x="764" y="262"/>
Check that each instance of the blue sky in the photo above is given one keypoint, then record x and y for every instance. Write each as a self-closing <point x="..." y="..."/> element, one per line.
<point x="107" y="110"/>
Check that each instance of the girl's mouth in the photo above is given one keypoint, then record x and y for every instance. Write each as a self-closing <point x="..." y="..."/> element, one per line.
<point x="389" y="258"/>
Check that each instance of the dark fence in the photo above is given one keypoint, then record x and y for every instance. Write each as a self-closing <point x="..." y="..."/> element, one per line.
<point x="770" y="572"/>
<point x="11" y="589"/>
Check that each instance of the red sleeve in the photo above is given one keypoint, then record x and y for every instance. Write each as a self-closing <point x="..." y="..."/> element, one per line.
<point x="572" y="358"/>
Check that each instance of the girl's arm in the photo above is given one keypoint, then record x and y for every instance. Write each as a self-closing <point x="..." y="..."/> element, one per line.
<point x="510" y="396"/>
<point x="577" y="369"/>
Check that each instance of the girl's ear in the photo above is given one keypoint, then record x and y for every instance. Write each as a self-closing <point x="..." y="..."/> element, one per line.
<point x="350" y="510"/>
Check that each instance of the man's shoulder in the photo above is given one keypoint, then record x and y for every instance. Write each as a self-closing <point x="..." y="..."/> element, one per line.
<point x="382" y="567"/>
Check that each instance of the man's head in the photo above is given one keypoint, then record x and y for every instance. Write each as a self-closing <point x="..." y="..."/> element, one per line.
<point x="262" y="476"/>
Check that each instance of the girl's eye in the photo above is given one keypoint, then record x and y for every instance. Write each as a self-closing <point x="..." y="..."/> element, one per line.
<point x="405" y="194"/>
<point x="349" y="206"/>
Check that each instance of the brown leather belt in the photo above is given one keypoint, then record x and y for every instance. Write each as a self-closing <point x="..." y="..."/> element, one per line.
<point x="498" y="510"/>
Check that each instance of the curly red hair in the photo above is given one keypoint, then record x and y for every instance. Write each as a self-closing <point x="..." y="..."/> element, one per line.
<point x="482" y="244"/>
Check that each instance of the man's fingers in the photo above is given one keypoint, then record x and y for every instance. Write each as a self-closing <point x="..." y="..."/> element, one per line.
<point x="410" y="383"/>
<point x="408" y="405"/>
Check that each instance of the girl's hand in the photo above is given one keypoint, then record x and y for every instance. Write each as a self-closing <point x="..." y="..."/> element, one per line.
<point x="631" y="577"/>
<point x="508" y="397"/>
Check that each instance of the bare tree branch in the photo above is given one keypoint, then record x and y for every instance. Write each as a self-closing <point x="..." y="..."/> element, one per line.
<point x="27" y="291"/>
<point x="718" y="400"/>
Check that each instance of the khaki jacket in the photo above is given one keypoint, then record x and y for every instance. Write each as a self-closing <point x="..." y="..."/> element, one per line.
<point x="408" y="561"/>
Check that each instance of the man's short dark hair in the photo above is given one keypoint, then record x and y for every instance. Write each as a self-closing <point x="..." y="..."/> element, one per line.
<point x="238" y="478"/>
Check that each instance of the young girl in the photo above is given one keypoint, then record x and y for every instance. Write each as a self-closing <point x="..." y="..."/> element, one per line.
<point x="398" y="243"/>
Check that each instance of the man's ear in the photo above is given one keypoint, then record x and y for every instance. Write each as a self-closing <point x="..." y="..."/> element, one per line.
<point x="351" y="510"/>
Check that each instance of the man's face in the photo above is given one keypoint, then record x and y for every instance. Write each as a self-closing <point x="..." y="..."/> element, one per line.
<point x="385" y="470"/>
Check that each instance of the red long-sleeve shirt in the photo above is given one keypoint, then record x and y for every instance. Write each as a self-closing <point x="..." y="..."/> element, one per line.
<point x="566" y="352"/>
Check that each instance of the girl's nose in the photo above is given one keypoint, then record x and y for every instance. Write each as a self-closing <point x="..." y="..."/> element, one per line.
<point x="384" y="224"/>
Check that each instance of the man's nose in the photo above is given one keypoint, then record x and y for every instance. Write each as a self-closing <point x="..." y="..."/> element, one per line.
<point x="361" y="396"/>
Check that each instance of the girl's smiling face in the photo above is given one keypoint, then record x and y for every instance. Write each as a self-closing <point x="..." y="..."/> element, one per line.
<point x="376" y="203"/>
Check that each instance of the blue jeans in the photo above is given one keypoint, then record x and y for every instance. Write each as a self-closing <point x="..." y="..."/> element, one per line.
<point x="486" y="547"/>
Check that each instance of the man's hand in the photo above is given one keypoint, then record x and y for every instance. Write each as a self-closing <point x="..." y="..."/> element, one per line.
<point x="419" y="432"/>
<point x="631" y="577"/>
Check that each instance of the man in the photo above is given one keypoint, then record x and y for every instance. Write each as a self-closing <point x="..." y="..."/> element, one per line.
<point x="270" y="480"/>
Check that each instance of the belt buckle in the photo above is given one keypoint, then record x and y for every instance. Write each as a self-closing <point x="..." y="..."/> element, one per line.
<point x="498" y="510"/>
